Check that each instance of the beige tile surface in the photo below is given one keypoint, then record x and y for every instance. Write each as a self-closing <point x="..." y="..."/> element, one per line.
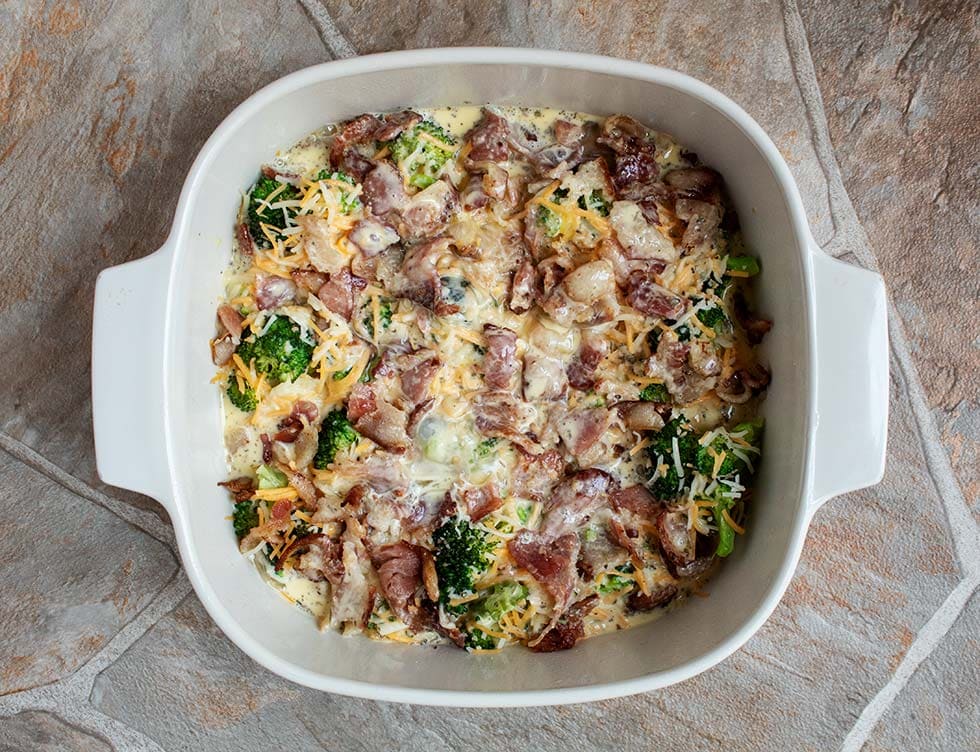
<point x="103" y="106"/>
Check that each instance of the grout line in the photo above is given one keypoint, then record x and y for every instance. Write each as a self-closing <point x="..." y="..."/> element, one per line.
<point x="852" y="237"/>
<point x="335" y="41"/>
<point x="146" y="521"/>
<point x="70" y="697"/>
<point x="931" y="634"/>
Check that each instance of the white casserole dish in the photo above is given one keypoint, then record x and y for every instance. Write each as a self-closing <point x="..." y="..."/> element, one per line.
<point x="159" y="431"/>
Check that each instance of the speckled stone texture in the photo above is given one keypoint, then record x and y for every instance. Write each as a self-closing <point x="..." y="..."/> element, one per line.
<point x="103" y="106"/>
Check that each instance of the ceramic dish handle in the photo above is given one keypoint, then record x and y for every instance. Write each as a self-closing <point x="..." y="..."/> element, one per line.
<point x="127" y="375"/>
<point x="852" y="377"/>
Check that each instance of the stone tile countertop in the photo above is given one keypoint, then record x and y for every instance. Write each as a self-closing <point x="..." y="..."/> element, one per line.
<point x="103" y="106"/>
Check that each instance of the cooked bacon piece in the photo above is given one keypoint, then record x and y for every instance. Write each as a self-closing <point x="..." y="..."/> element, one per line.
<point x="703" y="220"/>
<point x="395" y="123"/>
<point x="659" y="598"/>
<point x="636" y="173"/>
<point x="246" y="245"/>
<point x="581" y="371"/>
<point x="361" y="129"/>
<point x="500" y="414"/>
<point x="419" y="276"/>
<point x="272" y="292"/>
<point x="384" y="190"/>
<point x="289" y="429"/>
<point x="399" y="567"/>
<point x="700" y="183"/>
<point x="574" y="501"/>
<point x="635" y="500"/>
<point x="304" y="487"/>
<point x="241" y="488"/>
<point x="232" y="321"/>
<point x="624" y="134"/>
<point x="625" y="538"/>
<point x="587" y="295"/>
<point x="489" y="140"/>
<point x="738" y="387"/>
<point x="377" y="418"/>
<point x="415" y="381"/>
<point x="646" y="296"/>
<point x="673" y="363"/>
<point x="641" y="416"/>
<point x="222" y="349"/>
<point x="266" y="447"/>
<point x="270" y="532"/>
<point x="427" y="213"/>
<point x="568" y="630"/>
<point x="320" y="558"/>
<point x="551" y="561"/>
<point x="522" y="286"/>
<point x="309" y="280"/>
<point x="580" y="430"/>
<point x="481" y="501"/>
<point x="302" y="414"/>
<point x="500" y="361"/>
<point x="676" y="541"/>
<point x="535" y="475"/>
<point x="337" y="293"/>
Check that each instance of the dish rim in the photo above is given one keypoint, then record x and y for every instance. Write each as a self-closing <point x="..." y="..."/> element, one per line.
<point x="519" y="57"/>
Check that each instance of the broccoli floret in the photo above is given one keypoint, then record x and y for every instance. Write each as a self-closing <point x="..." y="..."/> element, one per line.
<point x="713" y="317"/>
<point x="336" y="433"/>
<point x="501" y="598"/>
<point x="655" y="393"/>
<point x="281" y="352"/>
<point x="259" y="213"/>
<point x="243" y="400"/>
<point x="718" y="286"/>
<point x="614" y="583"/>
<point x="479" y="640"/>
<point x="421" y="158"/>
<point x="726" y="533"/>
<point x="368" y="373"/>
<point x="485" y="448"/>
<point x="550" y="221"/>
<point x="668" y="485"/>
<point x="731" y="464"/>
<point x="384" y="317"/>
<point x="348" y="201"/>
<point x="462" y="553"/>
<point x="270" y="477"/>
<point x="244" y="518"/>
<point x="745" y="266"/>
<point x="596" y="202"/>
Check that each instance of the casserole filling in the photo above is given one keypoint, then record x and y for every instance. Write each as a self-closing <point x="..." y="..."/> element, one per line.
<point x="489" y="375"/>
